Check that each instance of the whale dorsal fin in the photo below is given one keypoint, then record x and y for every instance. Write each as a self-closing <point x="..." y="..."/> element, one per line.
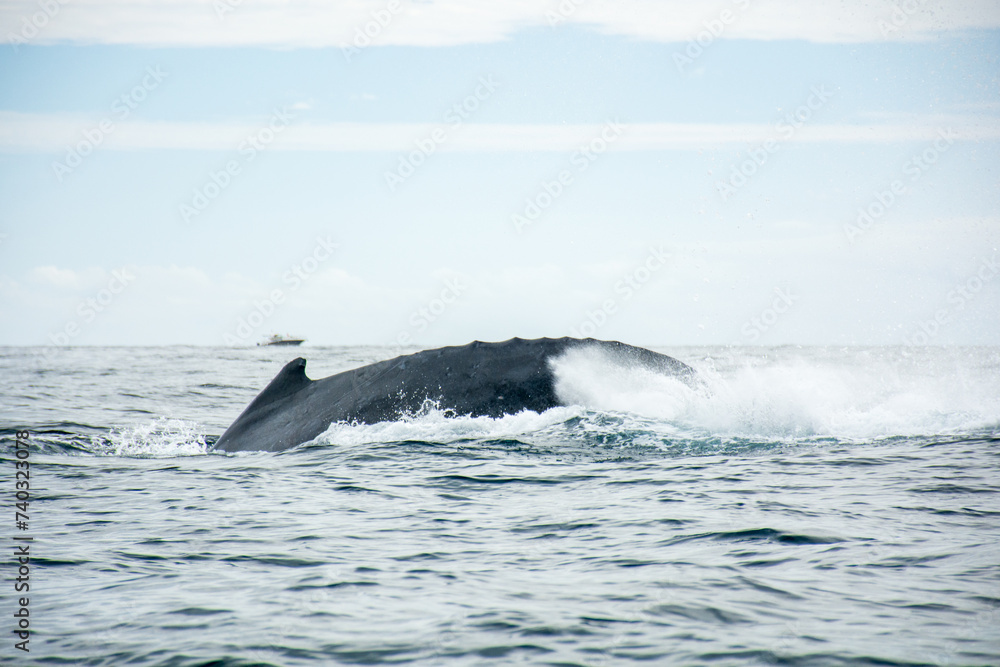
<point x="290" y="379"/>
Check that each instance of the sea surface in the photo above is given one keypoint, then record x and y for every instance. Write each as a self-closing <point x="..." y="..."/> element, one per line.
<point x="799" y="506"/>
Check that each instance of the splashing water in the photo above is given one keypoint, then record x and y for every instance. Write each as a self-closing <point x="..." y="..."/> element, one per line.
<point x="791" y="396"/>
<point x="159" y="438"/>
<point x="440" y="426"/>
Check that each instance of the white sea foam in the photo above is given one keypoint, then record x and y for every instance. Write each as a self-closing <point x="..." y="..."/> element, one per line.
<point x="159" y="438"/>
<point x="435" y="425"/>
<point x="787" y="394"/>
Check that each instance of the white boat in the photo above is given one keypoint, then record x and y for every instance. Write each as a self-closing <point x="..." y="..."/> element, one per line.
<point x="278" y="339"/>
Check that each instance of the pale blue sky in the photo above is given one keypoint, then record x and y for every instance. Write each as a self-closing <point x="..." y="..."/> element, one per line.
<point x="439" y="259"/>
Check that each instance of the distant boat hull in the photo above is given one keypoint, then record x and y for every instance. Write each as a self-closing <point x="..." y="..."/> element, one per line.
<point x="278" y="339"/>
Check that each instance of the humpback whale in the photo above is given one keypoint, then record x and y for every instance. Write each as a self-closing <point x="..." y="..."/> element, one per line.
<point x="478" y="379"/>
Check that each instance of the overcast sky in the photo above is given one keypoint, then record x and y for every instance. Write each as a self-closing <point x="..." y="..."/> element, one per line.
<point x="433" y="172"/>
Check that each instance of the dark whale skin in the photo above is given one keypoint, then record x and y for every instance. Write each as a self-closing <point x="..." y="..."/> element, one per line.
<point x="478" y="379"/>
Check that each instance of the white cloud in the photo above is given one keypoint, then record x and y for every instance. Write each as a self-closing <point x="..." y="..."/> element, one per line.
<point x="699" y="284"/>
<point x="58" y="133"/>
<point x="65" y="279"/>
<point x="318" y="23"/>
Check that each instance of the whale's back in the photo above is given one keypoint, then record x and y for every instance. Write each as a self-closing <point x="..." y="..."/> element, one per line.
<point x="478" y="379"/>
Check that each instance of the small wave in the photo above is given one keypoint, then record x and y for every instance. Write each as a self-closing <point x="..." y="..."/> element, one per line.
<point x="434" y="425"/>
<point x="157" y="438"/>
<point x="572" y="431"/>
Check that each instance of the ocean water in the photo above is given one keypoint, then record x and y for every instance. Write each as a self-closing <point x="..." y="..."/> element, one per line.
<point x="799" y="506"/>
